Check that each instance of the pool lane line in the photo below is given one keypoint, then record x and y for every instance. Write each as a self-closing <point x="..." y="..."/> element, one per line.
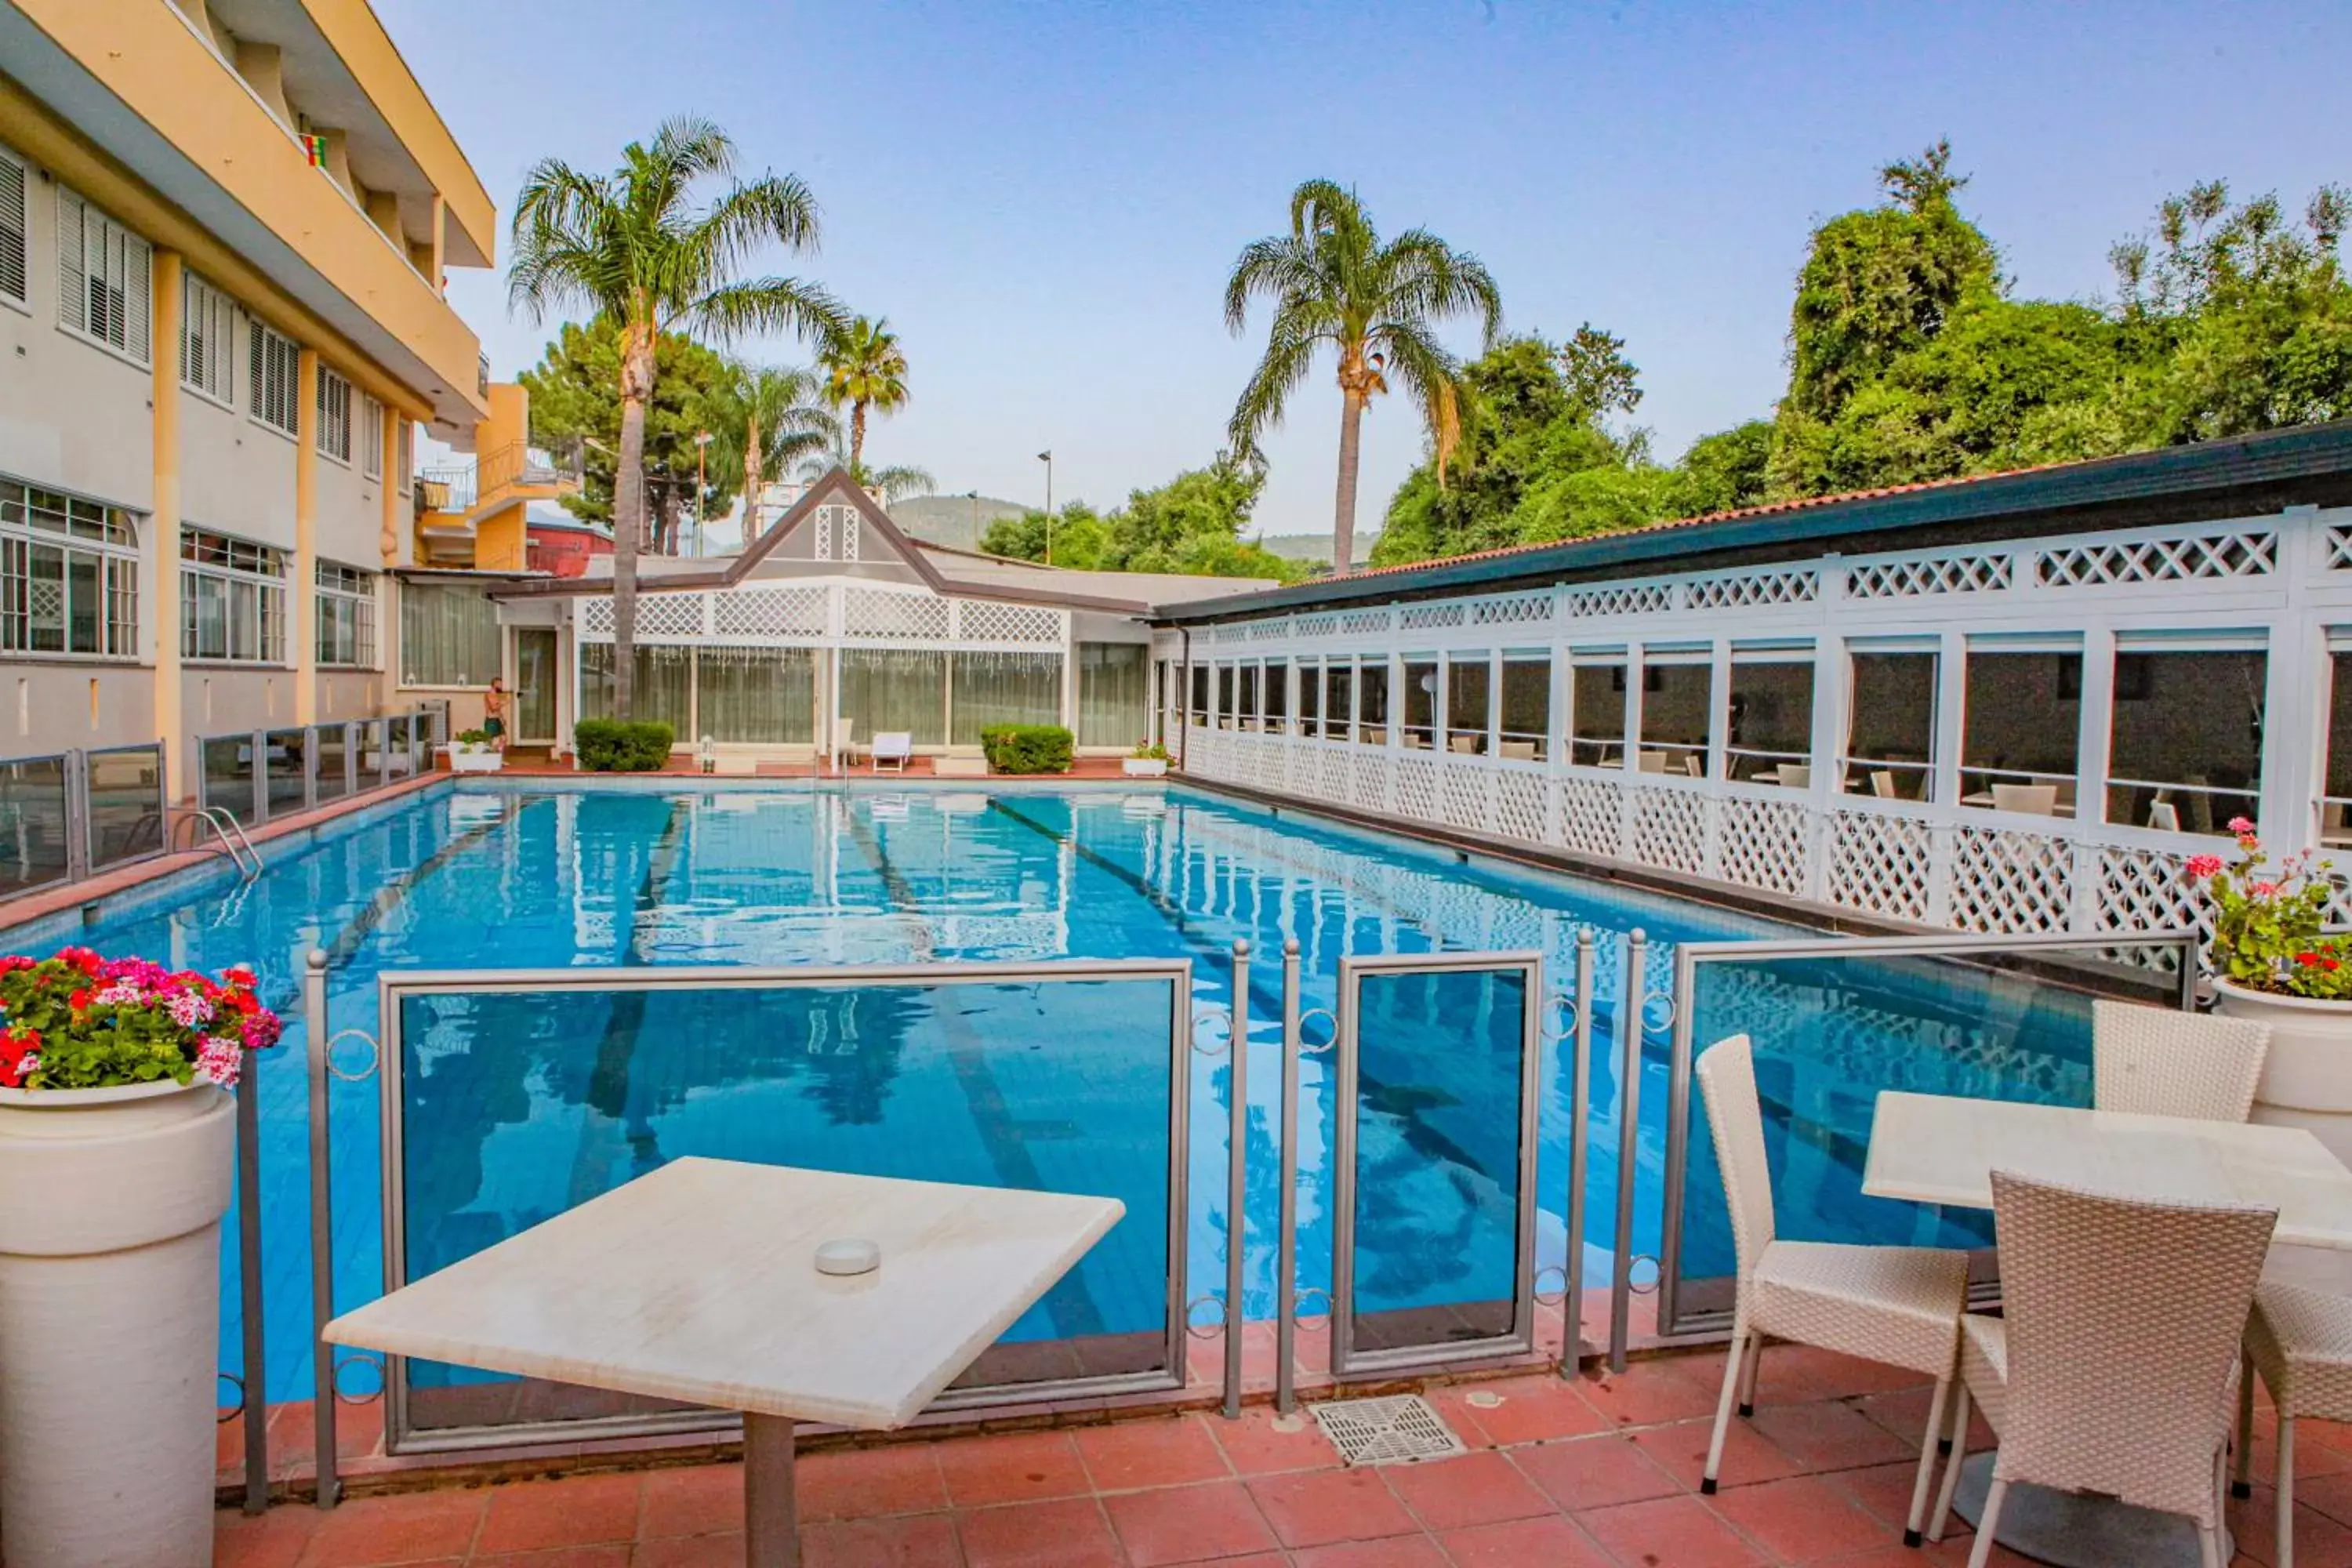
<point x="1069" y="1302"/>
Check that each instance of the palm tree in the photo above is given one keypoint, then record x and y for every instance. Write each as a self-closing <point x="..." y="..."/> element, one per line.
<point x="765" y="419"/>
<point x="865" y="369"/>
<point x="633" y="246"/>
<point x="892" y="482"/>
<point x="1332" y="281"/>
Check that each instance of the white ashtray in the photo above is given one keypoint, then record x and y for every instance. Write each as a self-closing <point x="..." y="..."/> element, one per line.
<point x="850" y="1255"/>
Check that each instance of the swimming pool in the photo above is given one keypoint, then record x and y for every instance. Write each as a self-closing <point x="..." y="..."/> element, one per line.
<point x="525" y="874"/>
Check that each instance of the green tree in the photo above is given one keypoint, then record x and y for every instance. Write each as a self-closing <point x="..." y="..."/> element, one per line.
<point x="1597" y="376"/>
<point x="633" y="246"/>
<point x="764" y="420"/>
<point x="1332" y="283"/>
<point x="865" y="369"/>
<point x="1727" y="470"/>
<point x="1077" y="539"/>
<point x="575" y="405"/>
<point x="1190" y="526"/>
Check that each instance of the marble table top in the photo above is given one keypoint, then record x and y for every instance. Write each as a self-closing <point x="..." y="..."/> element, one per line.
<point x="1940" y="1149"/>
<point x="698" y="1282"/>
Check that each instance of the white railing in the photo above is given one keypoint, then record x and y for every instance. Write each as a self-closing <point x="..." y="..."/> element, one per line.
<point x="829" y="614"/>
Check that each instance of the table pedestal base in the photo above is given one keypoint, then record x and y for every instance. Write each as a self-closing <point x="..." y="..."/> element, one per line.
<point x="2072" y="1531"/>
<point x="772" y="1525"/>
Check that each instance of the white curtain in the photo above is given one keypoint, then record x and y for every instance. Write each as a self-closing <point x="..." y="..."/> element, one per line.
<point x="1005" y="688"/>
<point x="1114" y="704"/>
<point x="889" y="690"/>
<point x="758" y="695"/>
<point x="448" y="636"/>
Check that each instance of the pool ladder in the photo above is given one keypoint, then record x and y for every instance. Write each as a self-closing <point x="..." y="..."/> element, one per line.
<point x="228" y="837"/>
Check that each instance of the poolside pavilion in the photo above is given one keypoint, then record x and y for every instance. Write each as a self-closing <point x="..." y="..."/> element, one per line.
<point x="2016" y="703"/>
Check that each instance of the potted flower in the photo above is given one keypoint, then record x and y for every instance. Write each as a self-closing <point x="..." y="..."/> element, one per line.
<point x="1148" y="760"/>
<point x="2271" y="964"/>
<point x="117" y="1147"/>
<point x="473" y="752"/>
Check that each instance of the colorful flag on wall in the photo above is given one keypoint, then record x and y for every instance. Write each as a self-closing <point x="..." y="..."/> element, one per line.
<point x="316" y="146"/>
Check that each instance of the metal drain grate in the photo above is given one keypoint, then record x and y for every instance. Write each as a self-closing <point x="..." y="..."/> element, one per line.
<point x="1402" y="1427"/>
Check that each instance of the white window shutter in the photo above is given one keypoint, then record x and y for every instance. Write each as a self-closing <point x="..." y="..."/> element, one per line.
<point x="14" y="274"/>
<point x="73" y="271"/>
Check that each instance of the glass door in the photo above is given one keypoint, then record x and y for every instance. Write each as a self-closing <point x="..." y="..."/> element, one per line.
<point x="534" y="686"/>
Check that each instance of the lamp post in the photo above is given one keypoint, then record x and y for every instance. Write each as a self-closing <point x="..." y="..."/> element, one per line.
<point x="1046" y="458"/>
<point x="701" y="445"/>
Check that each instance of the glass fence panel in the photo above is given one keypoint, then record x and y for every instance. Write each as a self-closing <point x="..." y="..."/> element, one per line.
<point x="126" y="804"/>
<point x="33" y="823"/>
<point x="1436" y="1153"/>
<point x="399" y="748"/>
<point x="513" y="1105"/>
<point x="228" y="776"/>
<point x="1830" y="1032"/>
<point x="286" y="757"/>
<point x="333" y="745"/>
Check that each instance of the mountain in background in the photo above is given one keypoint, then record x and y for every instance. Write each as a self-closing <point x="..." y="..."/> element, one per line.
<point x="954" y="521"/>
<point x="1313" y="546"/>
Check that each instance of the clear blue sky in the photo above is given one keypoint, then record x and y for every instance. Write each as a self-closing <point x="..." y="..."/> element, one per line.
<point x="1045" y="198"/>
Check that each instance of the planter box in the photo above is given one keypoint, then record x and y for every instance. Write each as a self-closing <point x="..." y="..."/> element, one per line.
<point x="110" y="1206"/>
<point x="2306" y="1082"/>
<point x="481" y="760"/>
<point x="1144" y="767"/>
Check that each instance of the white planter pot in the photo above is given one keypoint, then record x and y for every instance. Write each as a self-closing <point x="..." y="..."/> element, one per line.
<point x="1144" y="767"/>
<point x="110" y="1206"/>
<point x="2307" y="1077"/>
<point x="485" y="760"/>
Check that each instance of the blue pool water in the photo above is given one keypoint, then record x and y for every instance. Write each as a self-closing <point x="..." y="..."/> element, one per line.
<point x="516" y="1106"/>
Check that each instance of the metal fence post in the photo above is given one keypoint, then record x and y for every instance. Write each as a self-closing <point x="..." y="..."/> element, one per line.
<point x="76" y="772"/>
<point x="254" y="1391"/>
<point x="1237" y="1175"/>
<point x="309" y="767"/>
<point x="1285" y="1268"/>
<point x="322" y="1248"/>
<point x="259" y="741"/>
<point x="1579" y="1158"/>
<point x="1629" y="1129"/>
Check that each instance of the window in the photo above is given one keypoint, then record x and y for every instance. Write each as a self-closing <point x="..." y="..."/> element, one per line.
<point x="1596" y="710"/>
<point x="1678" y="708"/>
<point x="274" y="371"/>
<point x="2336" y="807"/>
<point x="755" y="696"/>
<point x="1527" y="707"/>
<point x="1277" y="687"/>
<point x="1890" y="746"/>
<point x="1224" y="697"/>
<point x="1770" y="740"/>
<point x="2186" y="750"/>
<point x="104" y="277"/>
<point x="232" y="599"/>
<point x="1310" y="696"/>
<point x="333" y="434"/>
<point x="68" y="574"/>
<point x="1419" y="701"/>
<point x="449" y="637"/>
<point x="207" y="339"/>
<point x="346" y="615"/>
<point x="1373" y="700"/>
<point x="2019" y="729"/>
<point x="890" y="688"/>
<point x="400" y="459"/>
<point x="1198" y="712"/>
<point x="1339" y="691"/>
<point x="990" y="689"/>
<point x="1111" y="696"/>
<point x="16" y="273"/>
<point x="1246" y="709"/>
<point x="371" y="437"/>
<point x="661" y="684"/>
<point x="1468" y="677"/>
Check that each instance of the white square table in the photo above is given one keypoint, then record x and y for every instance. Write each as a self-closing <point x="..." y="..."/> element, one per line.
<point x="1942" y="1149"/>
<point x="698" y="1282"/>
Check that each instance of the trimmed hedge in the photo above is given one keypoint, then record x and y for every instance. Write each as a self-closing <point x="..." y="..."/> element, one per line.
<point x="1027" y="748"/>
<point x="615" y="746"/>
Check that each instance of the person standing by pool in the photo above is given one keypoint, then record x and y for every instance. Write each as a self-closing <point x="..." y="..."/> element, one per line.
<point x="494" y="713"/>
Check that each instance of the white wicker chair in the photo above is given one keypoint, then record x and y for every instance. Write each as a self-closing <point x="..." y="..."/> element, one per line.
<point x="2095" y="1382"/>
<point x="2159" y="1062"/>
<point x="2300" y="1341"/>
<point x="1899" y="1305"/>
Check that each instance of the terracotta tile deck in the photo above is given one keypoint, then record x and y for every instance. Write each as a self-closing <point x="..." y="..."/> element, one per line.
<point x="1599" y="1473"/>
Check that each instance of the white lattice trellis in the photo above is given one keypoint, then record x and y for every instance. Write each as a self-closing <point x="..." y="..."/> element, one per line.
<point x="2235" y="552"/>
<point x="1421" y="617"/>
<point x="2339" y="548"/>
<point x="1670" y="829"/>
<point x="1520" y="802"/>
<point x="597" y="618"/>
<point x="872" y="616"/>
<point x="661" y="616"/>
<point x="1593" y="816"/>
<point x="1764" y="845"/>
<point x="1752" y="589"/>
<point x="1355" y="623"/>
<point x="1881" y="863"/>
<point x="1416" y="788"/>
<point x="770" y="612"/>
<point x="2148" y="889"/>
<point x="1465" y="788"/>
<point x="2006" y="880"/>
<point x="1517" y="610"/>
<point x="1642" y="599"/>
<point x="1927" y="576"/>
<point x="986" y="620"/>
<point x="1367" y="790"/>
<point x="1314" y="625"/>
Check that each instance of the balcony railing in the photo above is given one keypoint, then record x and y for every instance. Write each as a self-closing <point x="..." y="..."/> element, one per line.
<point x="516" y="466"/>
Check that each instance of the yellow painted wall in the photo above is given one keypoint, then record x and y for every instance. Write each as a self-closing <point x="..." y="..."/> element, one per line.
<point x="500" y="540"/>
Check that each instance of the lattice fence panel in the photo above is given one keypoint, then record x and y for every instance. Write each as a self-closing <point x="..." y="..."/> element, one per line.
<point x="770" y="612"/>
<point x="1303" y="765"/>
<point x="1465" y="789"/>
<point x="1517" y="610"/>
<point x="1421" y="617"/>
<point x="1314" y="625"/>
<point x="2006" y="880"/>
<point x="1356" y="621"/>
<point x="2339" y="548"/>
<point x="2235" y="552"/>
<point x="661" y="616"/>
<point x="1751" y="590"/>
<point x="1334" y="771"/>
<point x="1231" y="631"/>
<point x="1669" y="828"/>
<point x="1647" y="599"/>
<point x="1592" y="817"/>
<point x="596" y="618"/>
<point x="1520" y="806"/>
<point x="1928" y="576"/>
<point x="1764" y="845"/>
<point x="1269" y="631"/>
<point x="1367" y="789"/>
<point x="1416" y="788"/>
<point x="872" y="616"/>
<point x="1881" y="863"/>
<point x="2148" y="889"/>
<point x="986" y="620"/>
